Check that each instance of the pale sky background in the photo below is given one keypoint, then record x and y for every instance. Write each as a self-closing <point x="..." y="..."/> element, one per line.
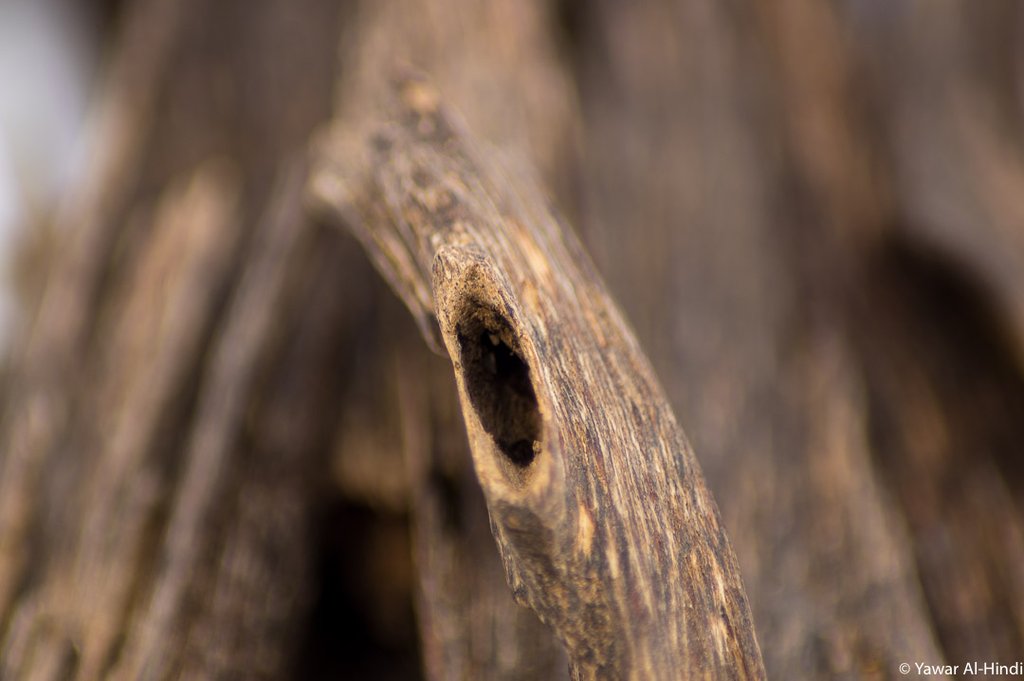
<point x="47" y="57"/>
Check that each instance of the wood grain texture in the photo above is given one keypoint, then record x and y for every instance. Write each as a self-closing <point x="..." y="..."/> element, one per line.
<point x="167" y="409"/>
<point x="742" y="225"/>
<point x="470" y="626"/>
<point x="596" y="501"/>
<point x="48" y="364"/>
<point x="499" y="64"/>
<point x="809" y="212"/>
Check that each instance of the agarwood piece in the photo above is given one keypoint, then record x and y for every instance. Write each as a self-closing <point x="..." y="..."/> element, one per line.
<point x="597" y="504"/>
<point x="501" y="64"/>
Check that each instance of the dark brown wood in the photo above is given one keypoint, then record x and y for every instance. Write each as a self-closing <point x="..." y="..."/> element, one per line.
<point x="222" y="432"/>
<point x="746" y="205"/>
<point x="522" y="102"/>
<point x="784" y="211"/>
<point x="49" y="360"/>
<point x="169" y="408"/>
<point x="598" y="507"/>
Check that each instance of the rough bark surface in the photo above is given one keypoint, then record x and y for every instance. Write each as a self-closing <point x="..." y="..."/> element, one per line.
<point x="225" y="451"/>
<point x="165" y="415"/>
<point x="769" y="391"/>
<point x="479" y="54"/>
<point x="596" y="501"/>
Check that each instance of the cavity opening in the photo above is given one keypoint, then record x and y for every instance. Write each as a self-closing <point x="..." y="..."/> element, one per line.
<point x="497" y="379"/>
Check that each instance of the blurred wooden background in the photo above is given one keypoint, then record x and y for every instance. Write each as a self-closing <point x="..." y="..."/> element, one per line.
<point x="227" y="453"/>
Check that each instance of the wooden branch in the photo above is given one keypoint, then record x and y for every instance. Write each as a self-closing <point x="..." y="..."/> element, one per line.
<point x="469" y="626"/>
<point x="603" y="521"/>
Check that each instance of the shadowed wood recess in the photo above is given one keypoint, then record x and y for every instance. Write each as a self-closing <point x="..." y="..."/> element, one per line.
<point x="604" y="523"/>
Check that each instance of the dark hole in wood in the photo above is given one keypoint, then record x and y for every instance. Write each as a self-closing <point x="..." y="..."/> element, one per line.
<point x="498" y="382"/>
